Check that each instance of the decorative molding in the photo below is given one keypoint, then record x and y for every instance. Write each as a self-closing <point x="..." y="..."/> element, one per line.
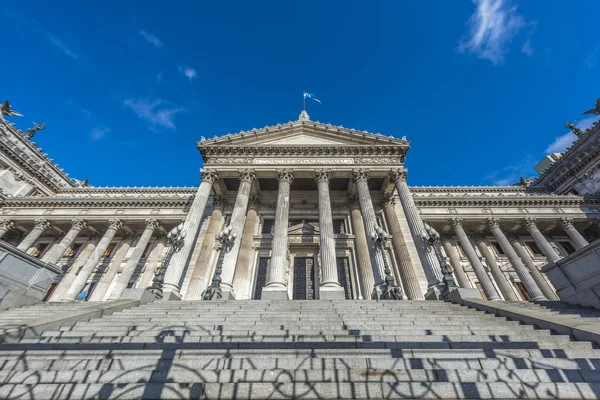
<point x="115" y="224"/>
<point x="41" y="224"/>
<point x="322" y="175"/>
<point x="398" y="175"/>
<point x="285" y="175"/>
<point x="78" y="224"/>
<point x="151" y="224"/>
<point x="566" y="222"/>
<point x="492" y="222"/>
<point x="360" y="175"/>
<point x="247" y="175"/>
<point x="209" y="175"/>
<point x="530" y="222"/>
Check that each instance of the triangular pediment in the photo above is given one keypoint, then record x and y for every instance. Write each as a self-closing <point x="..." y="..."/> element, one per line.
<point x="302" y="139"/>
<point x="303" y="229"/>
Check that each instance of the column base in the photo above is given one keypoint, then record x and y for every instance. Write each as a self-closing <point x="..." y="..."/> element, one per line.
<point x="171" y="296"/>
<point x="275" y="293"/>
<point x="227" y="293"/>
<point x="143" y="295"/>
<point x="457" y="295"/>
<point x="434" y="293"/>
<point x="332" y="292"/>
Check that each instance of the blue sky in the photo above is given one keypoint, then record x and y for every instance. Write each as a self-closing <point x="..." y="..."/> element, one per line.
<point x="480" y="88"/>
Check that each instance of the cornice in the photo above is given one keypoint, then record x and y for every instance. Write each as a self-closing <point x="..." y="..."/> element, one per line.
<point x="49" y="202"/>
<point x="184" y="190"/>
<point x="534" y="201"/>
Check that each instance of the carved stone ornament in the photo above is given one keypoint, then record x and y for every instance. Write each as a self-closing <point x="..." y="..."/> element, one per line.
<point x="285" y="175"/>
<point x="492" y="222"/>
<point x="151" y="223"/>
<point x="456" y="222"/>
<point x="7" y="224"/>
<point x="566" y="222"/>
<point x="322" y="175"/>
<point x="115" y="224"/>
<point x="41" y="224"/>
<point x="247" y="175"/>
<point x="209" y="175"/>
<point x="530" y="222"/>
<point x="78" y="224"/>
<point x="360" y="175"/>
<point x="398" y="175"/>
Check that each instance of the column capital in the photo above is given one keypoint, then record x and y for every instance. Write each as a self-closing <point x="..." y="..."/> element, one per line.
<point x="220" y="202"/>
<point x="151" y="223"/>
<point x="7" y="224"/>
<point x="41" y="224"/>
<point x="285" y="175"/>
<point x="78" y="224"/>
<point x="247" y="175"/>
<point x="115" y="224"/>
<point x="322" y="175"/>
<point x="530" y="222"/>
<point x="398" y="175"/>
<point x="209" y="175"/>
<point x="566" y="222"/>
<point x="456" y="222"/>
<point x="492" y="222"/>
<point x="360" y="175"/>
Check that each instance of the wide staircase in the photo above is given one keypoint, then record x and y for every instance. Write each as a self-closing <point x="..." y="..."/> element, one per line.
<point x="298" y="349"/>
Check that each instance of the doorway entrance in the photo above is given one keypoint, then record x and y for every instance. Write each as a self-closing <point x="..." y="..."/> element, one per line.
<point x="304" y="282"/>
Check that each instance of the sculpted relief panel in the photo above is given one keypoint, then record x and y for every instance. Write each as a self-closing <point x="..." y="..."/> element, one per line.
<point x="303" y="160"/>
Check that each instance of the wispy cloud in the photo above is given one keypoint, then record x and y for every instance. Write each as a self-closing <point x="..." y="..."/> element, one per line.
<point x="526" y="48"/>
<point x="59" y="44"/>
<point x="594" y="57"/>
<point x="188" y="72"/>
<point x="510" y="174"/>
<point x="563" y="141"/>
<point x="492" y="27"/>
<point x="157" y="112"/>
<point x="99" y="133"/>
<point x="150" y="38"/>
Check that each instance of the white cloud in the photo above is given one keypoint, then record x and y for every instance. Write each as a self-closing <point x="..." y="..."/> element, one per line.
<point x="157" y="112"/>
<point x="593" y="58"/>
<point x="561" y="143"/>
<point x="59" y="44"/>
<point x="188" y="72"/>
<point x="510" y="174"/>
<point x="99" y="133"/>
<point x="150" y="38"/>
<point x="491" y="28"/>
<point x="526" y="48"/>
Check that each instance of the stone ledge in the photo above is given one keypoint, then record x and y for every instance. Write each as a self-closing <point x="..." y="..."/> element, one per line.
<point x="564" y="326"/>
<point x="36" y="326"/>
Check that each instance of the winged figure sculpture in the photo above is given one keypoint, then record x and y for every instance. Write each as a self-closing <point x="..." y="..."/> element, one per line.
<point x="596" y="110"/>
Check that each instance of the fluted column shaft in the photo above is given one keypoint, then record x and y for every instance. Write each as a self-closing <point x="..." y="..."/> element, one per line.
<point x="278" y="267"/>
<point x="237" y="225"/>
<point x="83" y="275"/>
<point x="410" y="282"/>
<point x="480" y="272"/>
<point x="540" y="239"/>
<point x="370" y="223"/>
<point x="428" y="258"/>
<point x="71" y="274"/>
<point x="153" y="261"/>
<point x="191" y="226"/>
<point x="535" y="272"/>
<point x="520" y="269"/>
<point x="111" y="270"/>
<point x="198" y="280"/>
<point x="578" y="240"/>
<point x="77" y="225"/>
<point x="5" y="226"/>
<point x="136" y="255"/>
<point x="499" y="277"/>
<point x="40" y="226"/>
<point x="363" y="259"/>
<point x="242" y="277"/>
<point x="459" y="272"/>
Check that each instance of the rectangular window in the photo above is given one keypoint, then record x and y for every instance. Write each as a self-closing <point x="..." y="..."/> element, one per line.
<point x="567" y="247"/>
<point x="533" y="249"/>
<point x="521" y="290"/>
<point x="497" y="248"/>
<point x="268" y="226"/>
<point x="480" y="288"/>
<point x="72" y="251"/>
<point x="339" y="226"/>
<point x="39" y="249"/>
<point x="109" y="250"/>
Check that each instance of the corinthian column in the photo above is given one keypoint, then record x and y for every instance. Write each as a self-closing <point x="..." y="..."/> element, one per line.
<point x="459" y="272"/>
<point x="152" y="262"/>
<point x="242" y="278"/>
<point x="237" y="225"/>
<point x="40" y="225"/>
<point x="276" y="287"/>
<point x="410" y="282"/>
<point x="111" y="270"/>
<point x="535" y="272"/>
<point x="191" y="226"/>
<point x="497" y="273"/>
<point x="480" y="272"/>
<point x="428" y="258"/>
<point x="578" y="241"/>
<point x="520" y="269"/>
<point x="138" y="251"/>
<point x="330" y="288"/>
<point x="85" y="272"/>
<point x="5" y="226"/>
<point x="363" y="259"/>
<point x="540" y="239"/>
<point x="198" y="280"/>
<point x="77" y="225"/>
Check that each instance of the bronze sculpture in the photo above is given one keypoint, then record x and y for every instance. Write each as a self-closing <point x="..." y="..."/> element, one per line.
<point x="36" y="127"/>
<point x="596" y="110"/>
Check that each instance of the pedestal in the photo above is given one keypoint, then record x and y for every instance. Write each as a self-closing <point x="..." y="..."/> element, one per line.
<point x="331" y="293"/>
<point x="274" y="293"/>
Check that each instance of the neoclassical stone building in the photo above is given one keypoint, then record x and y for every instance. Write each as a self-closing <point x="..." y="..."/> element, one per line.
<point x="303" y="201"/>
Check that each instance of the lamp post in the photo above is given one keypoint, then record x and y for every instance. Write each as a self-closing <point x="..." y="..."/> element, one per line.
<point x="226" y="238"/>
<point x="432" y="238"/>
<point x="175" y="238"/>
<point x="392" y="291"/>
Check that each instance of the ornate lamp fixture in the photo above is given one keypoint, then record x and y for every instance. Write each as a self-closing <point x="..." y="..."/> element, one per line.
<point x="226" y="238"/>
<point x="432" y="238"/>
<point x="175" y="238"/>
<point x="392" y="291"/>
